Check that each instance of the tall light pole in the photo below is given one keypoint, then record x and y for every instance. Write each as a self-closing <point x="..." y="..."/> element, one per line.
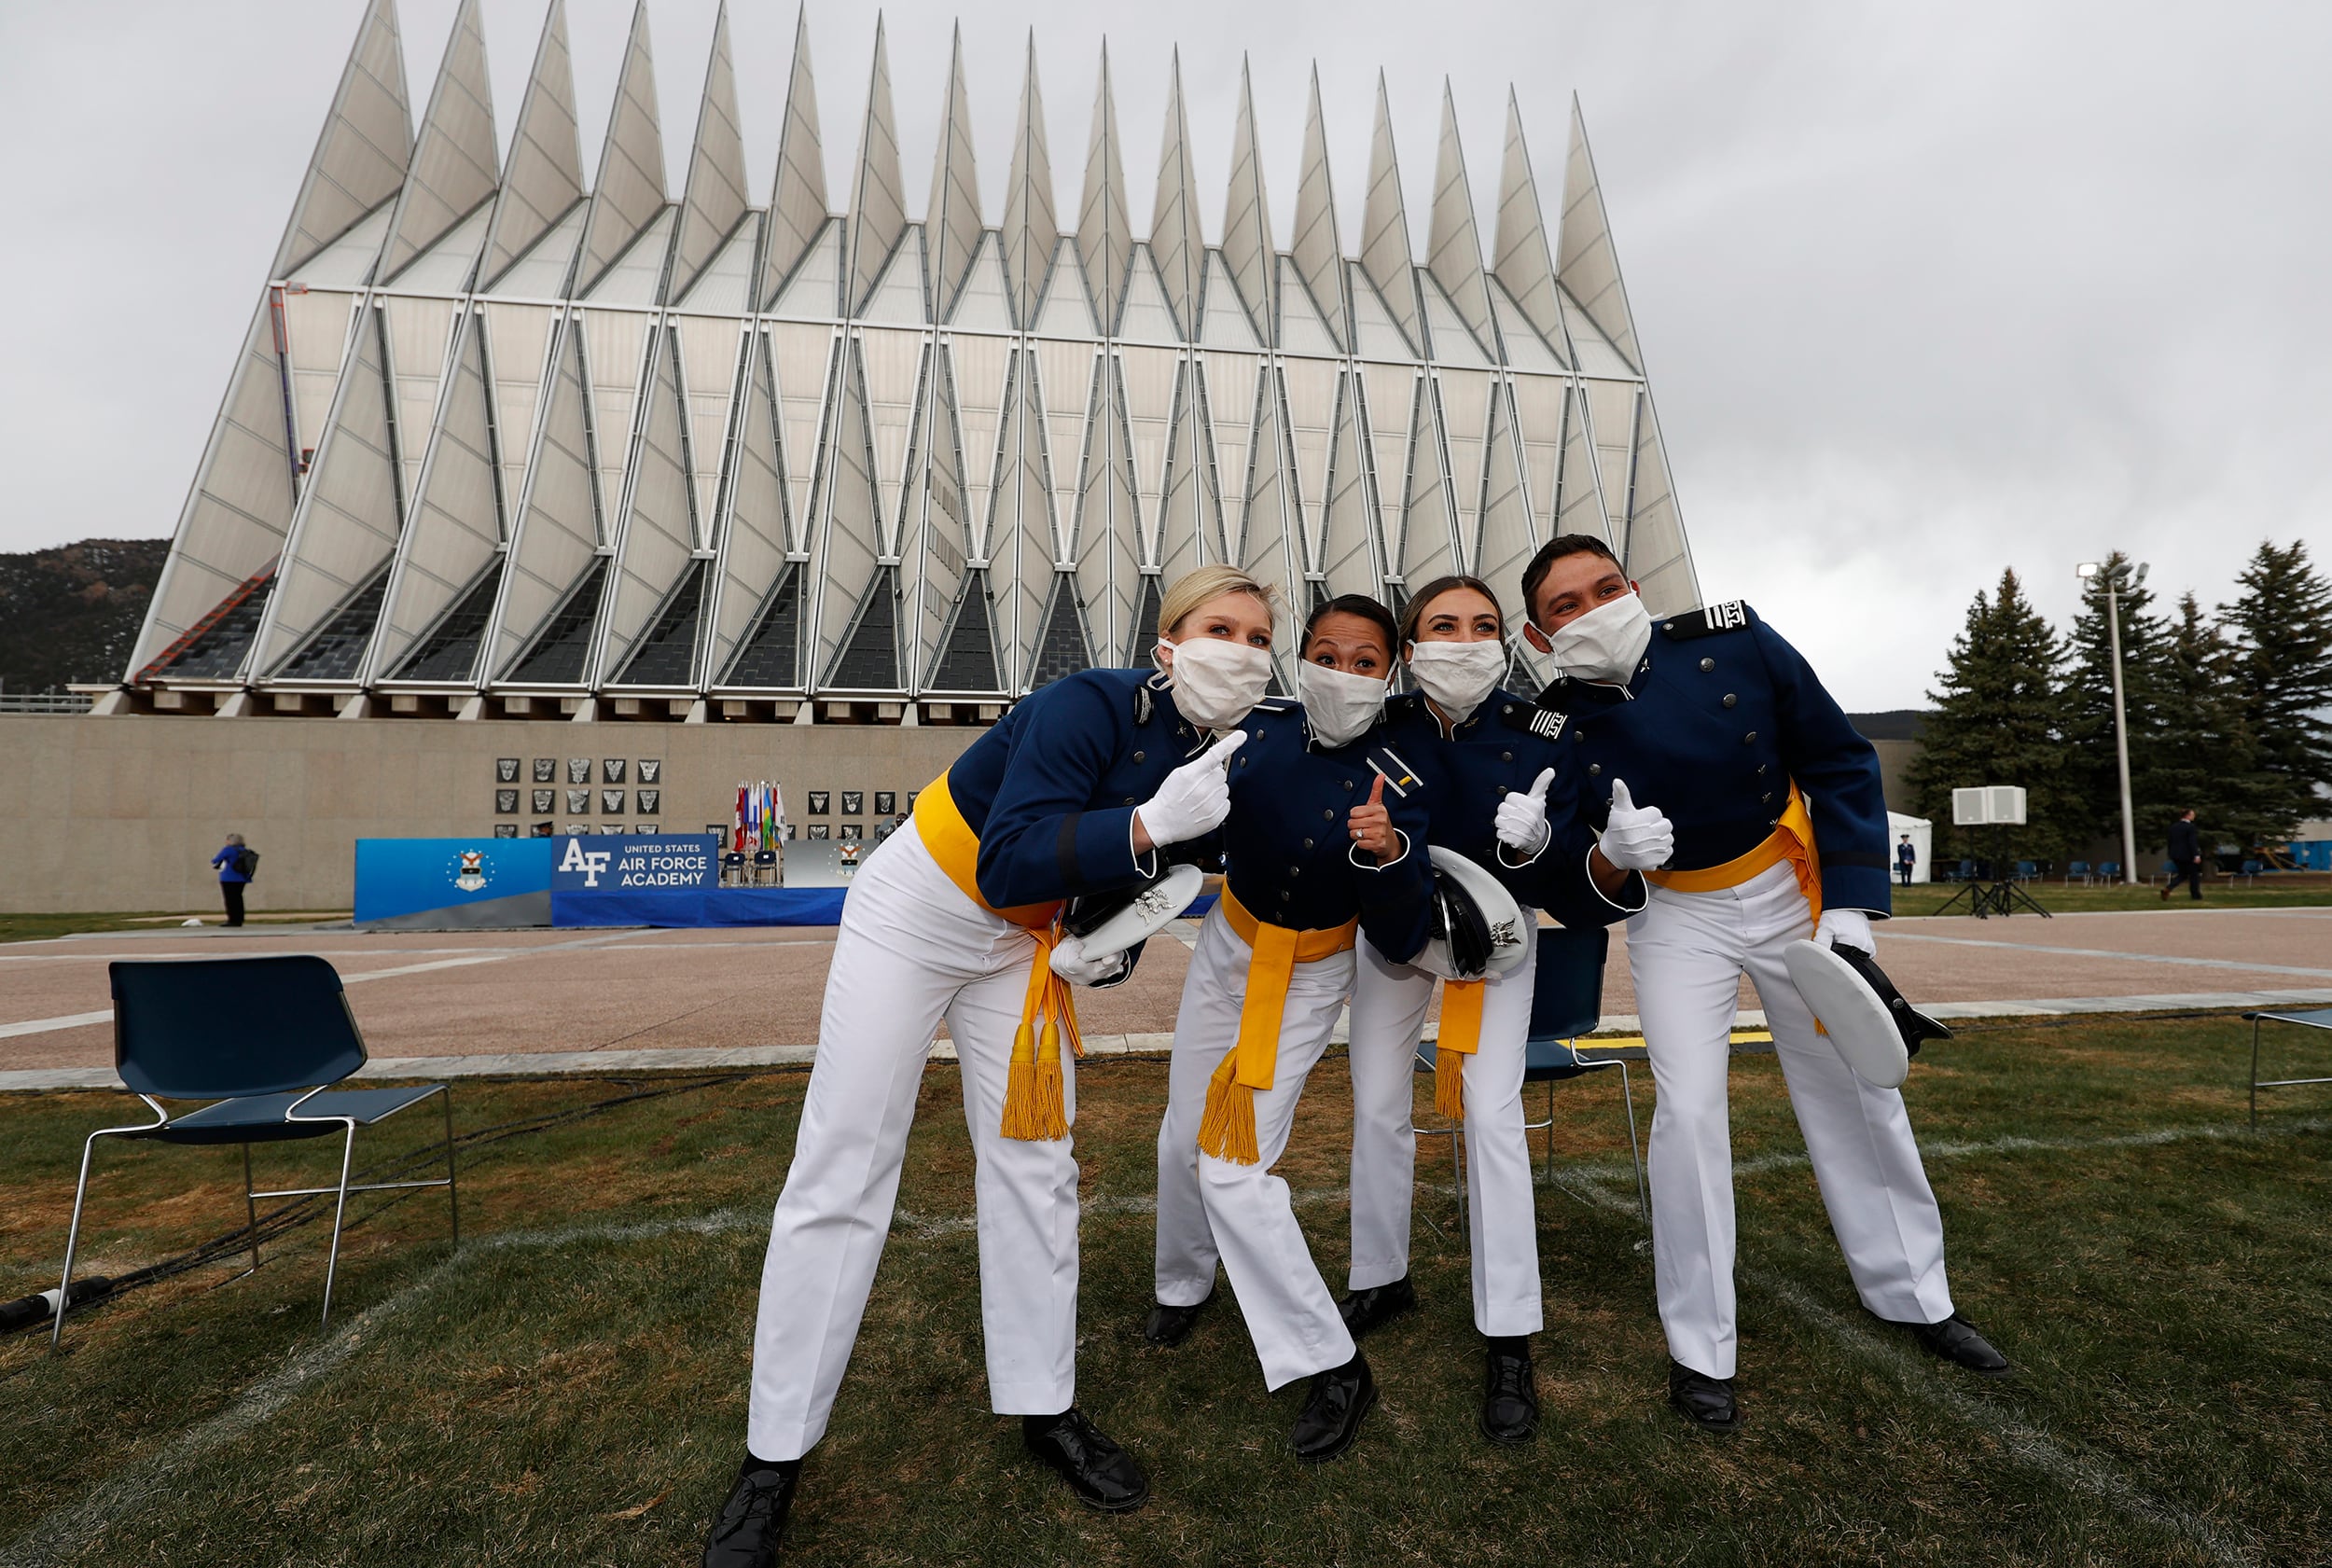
<point x="2086" y="571"/>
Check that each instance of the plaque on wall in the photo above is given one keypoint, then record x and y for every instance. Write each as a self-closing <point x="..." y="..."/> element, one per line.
<point x="506" y="769"/>
<point x="574" y="828"/>
<point x="506" y="830"/>
<point x="820" y="830"/>
<point x="612" y="830"/>
<point x="542" y="830"/>
<point x="611" y="771"/>
<point x="578" y="800"/>
<point x="853" y="803"/>
<point x="651" y="769"/>
<point x="545" y="770"/>
<point x="506" y="802"/>
<point x="645" y="828"/>
<point x="854" y="830"/>
<point x="578" y="769"/>
<point x="819" y="802"/>
<point x="648" y="798"/>
<point x="887" y="802"/>
<point x="611" y="801"/>
<point x="545" y="800"/>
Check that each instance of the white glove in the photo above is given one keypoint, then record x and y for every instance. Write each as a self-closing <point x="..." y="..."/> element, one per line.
<point x="1845" y="928"/>
<point x="1070" y="963"/>
<point x="1522" y="818"/>
<point x="1195" y="798"/>
<point x="1636" y="838"/>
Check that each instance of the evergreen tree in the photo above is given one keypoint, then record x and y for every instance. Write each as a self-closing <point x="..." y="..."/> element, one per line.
<point x="2148" y="697"/>
<point x="2282" y="626"/>
<point x="1997" y="719"/>
<point x="2209" y="758"/>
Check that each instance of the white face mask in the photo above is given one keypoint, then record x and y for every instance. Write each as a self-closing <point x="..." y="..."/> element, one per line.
<point x="1604" y="644"/>
<point x="1216" y="683"/>
<point x="1457" y="676"/>
<point x="1343" y="706"/>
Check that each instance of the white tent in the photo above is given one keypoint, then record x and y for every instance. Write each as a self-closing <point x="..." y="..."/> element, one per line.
<point x="1923" y="834"/>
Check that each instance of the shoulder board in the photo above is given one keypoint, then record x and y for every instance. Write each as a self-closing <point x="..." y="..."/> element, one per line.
<point x="1276" y="705"/>
<point x="1143" y="703"/>
<point x="1731" y="615"/>
<point x="1544" y="723"/>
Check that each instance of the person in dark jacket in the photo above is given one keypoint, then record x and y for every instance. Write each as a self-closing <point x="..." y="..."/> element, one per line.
<point x="234" y="876"/>
<point x="1906" y="860"/>
<point x="2185" y="855"/>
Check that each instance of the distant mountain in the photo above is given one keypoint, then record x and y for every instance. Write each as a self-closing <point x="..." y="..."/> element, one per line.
<point x="1895" y="724"/>
<point x="72" y="613"/>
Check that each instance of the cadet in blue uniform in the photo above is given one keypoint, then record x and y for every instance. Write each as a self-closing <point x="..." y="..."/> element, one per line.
<point x="1503" y="791"/>
<point x="1326" y="838"/>
<point x="1073" y="792"/>
<point x="1781" y="834"/>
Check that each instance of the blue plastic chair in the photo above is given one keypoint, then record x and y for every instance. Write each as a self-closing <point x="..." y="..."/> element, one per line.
<point x="1566" y="1003"/>
<point x="2077" y="868"/>
<point x="2025" y="871"/>
<point x="2250" y="872"/>
<point x="263" y="1039"/>
<point x="2109" y="871"/>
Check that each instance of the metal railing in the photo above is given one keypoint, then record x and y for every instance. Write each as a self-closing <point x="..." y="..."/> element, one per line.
<point x="45" y="702"/>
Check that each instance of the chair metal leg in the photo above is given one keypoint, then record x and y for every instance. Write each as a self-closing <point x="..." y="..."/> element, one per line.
<point x="452" y="1197"/>
<point x="2254" y="1078"/>
<point x="73" y="1238"/>
<point x="250" y="1209"/>
<point x="340" y="1212"/>
<point x="1642" y="1193"/>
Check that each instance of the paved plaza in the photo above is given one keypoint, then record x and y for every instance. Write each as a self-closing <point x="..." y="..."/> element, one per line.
<point x="558" y="1001"/>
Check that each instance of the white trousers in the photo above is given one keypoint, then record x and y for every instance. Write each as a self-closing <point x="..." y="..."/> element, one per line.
<point x="1209" y="1208"/>
<point x="1686" y="951"/>
<point x="911" y="951"/>
<point x="1389" y="1005"/>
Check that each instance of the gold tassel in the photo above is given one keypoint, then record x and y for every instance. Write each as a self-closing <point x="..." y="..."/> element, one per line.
<point x="1226" y="1131"/>
<point x="1448" y="1083"/>
<point x="1052" y="1118"/>
<point x="1022" y="1091"/>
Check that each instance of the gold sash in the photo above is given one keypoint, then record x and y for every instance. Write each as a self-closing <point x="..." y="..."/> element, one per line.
<point x="1791" y="841"/>
<point x="1226" y="1131"/>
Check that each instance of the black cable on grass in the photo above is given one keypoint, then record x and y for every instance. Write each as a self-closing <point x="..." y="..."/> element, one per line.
<point x="33" y="1311"/>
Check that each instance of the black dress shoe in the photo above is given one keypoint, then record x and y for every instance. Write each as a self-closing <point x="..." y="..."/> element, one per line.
<point x="1373" y="1308"/>
<point x="1955" y="1339"/>
<point x="747" y="1531"/>
<point x="1102" y="1474"/>
<point x="1509" y="1398"/>
<point x="1704" y="1401"/>
<point x="1171" y="1326"/>
<point x="1331" y="1416"/>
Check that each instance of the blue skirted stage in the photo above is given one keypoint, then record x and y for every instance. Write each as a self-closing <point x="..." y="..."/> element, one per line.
<point x="595" y="880"/>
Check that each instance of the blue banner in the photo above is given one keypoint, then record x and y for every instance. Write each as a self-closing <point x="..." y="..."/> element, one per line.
<point x="454" y="883"/>
<point x="646" y="863"/>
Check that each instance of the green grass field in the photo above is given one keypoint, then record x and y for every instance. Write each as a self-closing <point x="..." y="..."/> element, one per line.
<point x="2282" y="891"/>
<point x="42" y="927"/>
<point x="570" y="1388"/>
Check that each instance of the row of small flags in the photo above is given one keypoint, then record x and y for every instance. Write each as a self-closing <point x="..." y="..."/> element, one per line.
<point x="761" y="819"/>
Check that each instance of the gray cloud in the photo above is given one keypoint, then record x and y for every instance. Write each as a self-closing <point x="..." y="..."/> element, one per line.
<point x="1926" y="289"/>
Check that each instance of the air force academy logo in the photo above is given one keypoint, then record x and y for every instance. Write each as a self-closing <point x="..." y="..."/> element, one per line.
<point x="590" y="862"/>
<point x="470" y="874"/>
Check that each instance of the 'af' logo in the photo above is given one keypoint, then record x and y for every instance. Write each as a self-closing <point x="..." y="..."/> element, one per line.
<point x="590" y="862"/>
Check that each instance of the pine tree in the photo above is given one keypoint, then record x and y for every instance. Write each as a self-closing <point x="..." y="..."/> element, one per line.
<point x="2210" y="759"/>
<point x="2281" y="627"/>
<point x="2092" y="771"/>
<point x="1997" y="719"/>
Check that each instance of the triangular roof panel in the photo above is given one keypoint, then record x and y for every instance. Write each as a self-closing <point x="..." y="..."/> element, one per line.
<point x="798" y="209"/>
<point x="1585" y="261"/>
<point x="715" y="199"/>
<point x="367" y="141"/>
<point x="1247" y="219"/>
<point x="453" y="163"/>
<point x="1520" y="259"/>
<point x="983" y="304"/>
<point x="1175" y="244"/>
<point x="543" y="177"/>
<point x="1104" y="238"/>
<point x="878" y="203"/>
<point x="1148" y="317"/>
<point x="630" y="191"/>
<point x="448" y="266"/>
<point x="1031" y="233"/>
<point x="1454" y="248"/>
<point x="1385" y="253"/>
<point x="812" y="291"/>
<point x="1318" y="257"/>
<point x="543" y="272"/>
<point x="951" y="230"/>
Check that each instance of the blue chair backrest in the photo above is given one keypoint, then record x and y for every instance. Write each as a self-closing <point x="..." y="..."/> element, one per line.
<point x="2251" y="869"/>
<point x="2170" y="868"/>
<point x="2077" y="868"/>
<point x="2111" y="868"/>
<point x="2024" y="867"/>
<point x="216" y="1028"/>
<point x="1567" y="995"/>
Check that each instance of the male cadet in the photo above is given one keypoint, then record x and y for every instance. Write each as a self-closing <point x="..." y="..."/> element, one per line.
<point x="1906" y="860"/>
<point x="1780" y="830"/>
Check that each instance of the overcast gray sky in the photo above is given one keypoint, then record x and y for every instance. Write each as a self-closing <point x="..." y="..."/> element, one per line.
<point x="1926" y="289"/>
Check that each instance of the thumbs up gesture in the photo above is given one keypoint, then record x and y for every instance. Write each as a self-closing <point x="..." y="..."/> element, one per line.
<point x="1372" y="825"/>
<point x="1636" y="838"/>
<point x="1522" y="818"/>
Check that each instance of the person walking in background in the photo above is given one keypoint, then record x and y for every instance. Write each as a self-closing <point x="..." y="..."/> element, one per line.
<point x="2185" y="855"/>
<point x="235" y="865"/>
<point x="1905" y="859"/>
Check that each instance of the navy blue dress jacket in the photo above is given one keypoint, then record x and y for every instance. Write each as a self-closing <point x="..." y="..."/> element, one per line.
<point x="1287" y="845"/>
<point x="1503" y="745"/>
<point x="1051" y="788"/>
<point x="1719" y="716"/>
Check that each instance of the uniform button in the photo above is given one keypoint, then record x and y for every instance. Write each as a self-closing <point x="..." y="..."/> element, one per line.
<point x="1130" y="801"/>
<point x="1595" y="770"/>
<point x="1308" y="842"/>
<point x="1505" y="708"/>
<point x="1773" y="822"/>
<point x="1579" y="734"/>
<point x="1708" y="664"/>
<point x="1347" y="784"/>
<point x="1506" y="756"/>
<point x="1730" y="700"/>
<point x="1500" y="791"/>
<point x="1295" y="870"/>
<point x="1285" y="895"/>
<point x="1760" y="768"/>
<point x="1243" y="761"/>
<point x="1138" y="757"/>
<point x="1766" y="799"/>
<point x="1330" y="816"/>
<point x="1746" y="740"/>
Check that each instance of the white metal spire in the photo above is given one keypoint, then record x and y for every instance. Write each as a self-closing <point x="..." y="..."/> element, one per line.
<point x="1247" y="219"/>
<point x="952" y="226"/>
<point x="878" y="203"/>
<point x="1385" y="253"/>
<point x="630" y="192"/>
<point x="368" y="140"/>
<point x="715" y="199"/>
<point x="798" y="209"/>
<point x="453" y="163"/>
<point x="1453" y="251"/>
<point x="1176" y="246"/>
<point x="1031" y="232"/>
<point x="543" y="177"/>
<point x="1585" y="261"/>
<point x="1319" y="257"/>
